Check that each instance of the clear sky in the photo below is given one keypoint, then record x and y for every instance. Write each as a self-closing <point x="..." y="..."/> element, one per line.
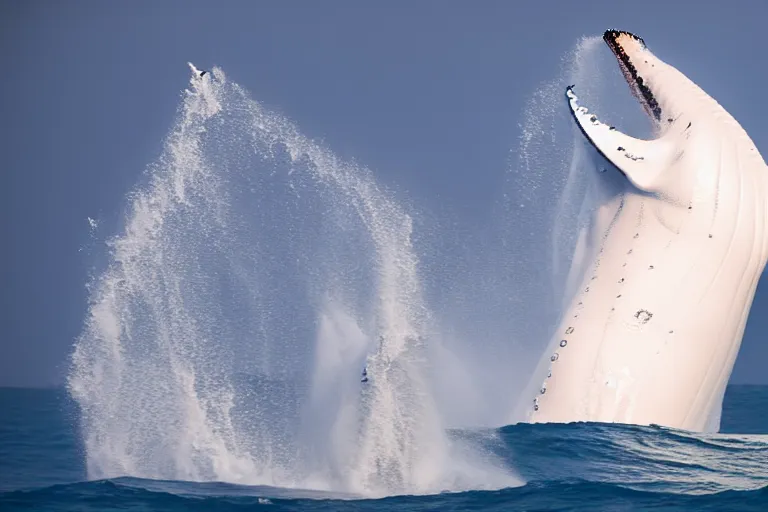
<point x="428" y="94"/>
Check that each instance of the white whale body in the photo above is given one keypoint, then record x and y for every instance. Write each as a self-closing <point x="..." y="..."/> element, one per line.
<point x="652" y="333"/>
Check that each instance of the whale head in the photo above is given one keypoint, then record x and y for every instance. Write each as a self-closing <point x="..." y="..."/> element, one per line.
<point x="689" y="123"/>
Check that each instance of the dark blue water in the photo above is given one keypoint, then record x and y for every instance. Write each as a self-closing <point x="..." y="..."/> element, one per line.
<point x="566" y="467"/>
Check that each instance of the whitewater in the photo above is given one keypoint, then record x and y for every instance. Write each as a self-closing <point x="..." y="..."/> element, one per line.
<point x="257" y="274"/>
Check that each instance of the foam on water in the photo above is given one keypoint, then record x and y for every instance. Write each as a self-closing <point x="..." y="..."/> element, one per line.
<point x="256" y="275"/>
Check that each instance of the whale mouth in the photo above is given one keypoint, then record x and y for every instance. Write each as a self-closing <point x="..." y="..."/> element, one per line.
<point x="633" y="55"/>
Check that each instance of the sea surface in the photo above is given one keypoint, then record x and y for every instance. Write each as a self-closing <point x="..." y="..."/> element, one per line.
<point x="565" y="467"/>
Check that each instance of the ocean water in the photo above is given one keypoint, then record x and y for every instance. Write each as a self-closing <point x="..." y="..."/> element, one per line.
<point x="564" y="467"/>
<point x="255" y="274"/>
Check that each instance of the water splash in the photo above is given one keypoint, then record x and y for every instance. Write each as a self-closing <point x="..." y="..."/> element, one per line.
<point x="256" y="274"/>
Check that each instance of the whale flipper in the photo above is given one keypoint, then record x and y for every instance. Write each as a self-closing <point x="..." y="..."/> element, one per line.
<point x="639" y="160"/>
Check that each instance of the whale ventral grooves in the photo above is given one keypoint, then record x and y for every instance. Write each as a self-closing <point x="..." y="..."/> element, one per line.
<point x="621" y="42"/>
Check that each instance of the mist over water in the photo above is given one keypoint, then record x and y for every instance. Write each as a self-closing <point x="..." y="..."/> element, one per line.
<point x="258" y="274"/>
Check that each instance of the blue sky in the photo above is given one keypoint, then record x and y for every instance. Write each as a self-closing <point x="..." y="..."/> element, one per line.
<point x="427" y="94"/>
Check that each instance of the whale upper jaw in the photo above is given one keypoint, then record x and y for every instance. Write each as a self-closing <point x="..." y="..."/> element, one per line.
<point x="633" y="57"/>
<point x="664" y="92"/>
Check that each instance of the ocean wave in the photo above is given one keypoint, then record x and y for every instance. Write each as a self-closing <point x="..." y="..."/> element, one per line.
<point x="577" y="466"/>
<point x="567" y="494"/>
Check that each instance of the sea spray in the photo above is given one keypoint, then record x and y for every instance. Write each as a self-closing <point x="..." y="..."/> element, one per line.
<point x="256" y="275"/>
<point x="509" y="277"/>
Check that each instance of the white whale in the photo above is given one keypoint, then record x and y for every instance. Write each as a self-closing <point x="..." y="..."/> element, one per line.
<point x="652" y="333"/>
